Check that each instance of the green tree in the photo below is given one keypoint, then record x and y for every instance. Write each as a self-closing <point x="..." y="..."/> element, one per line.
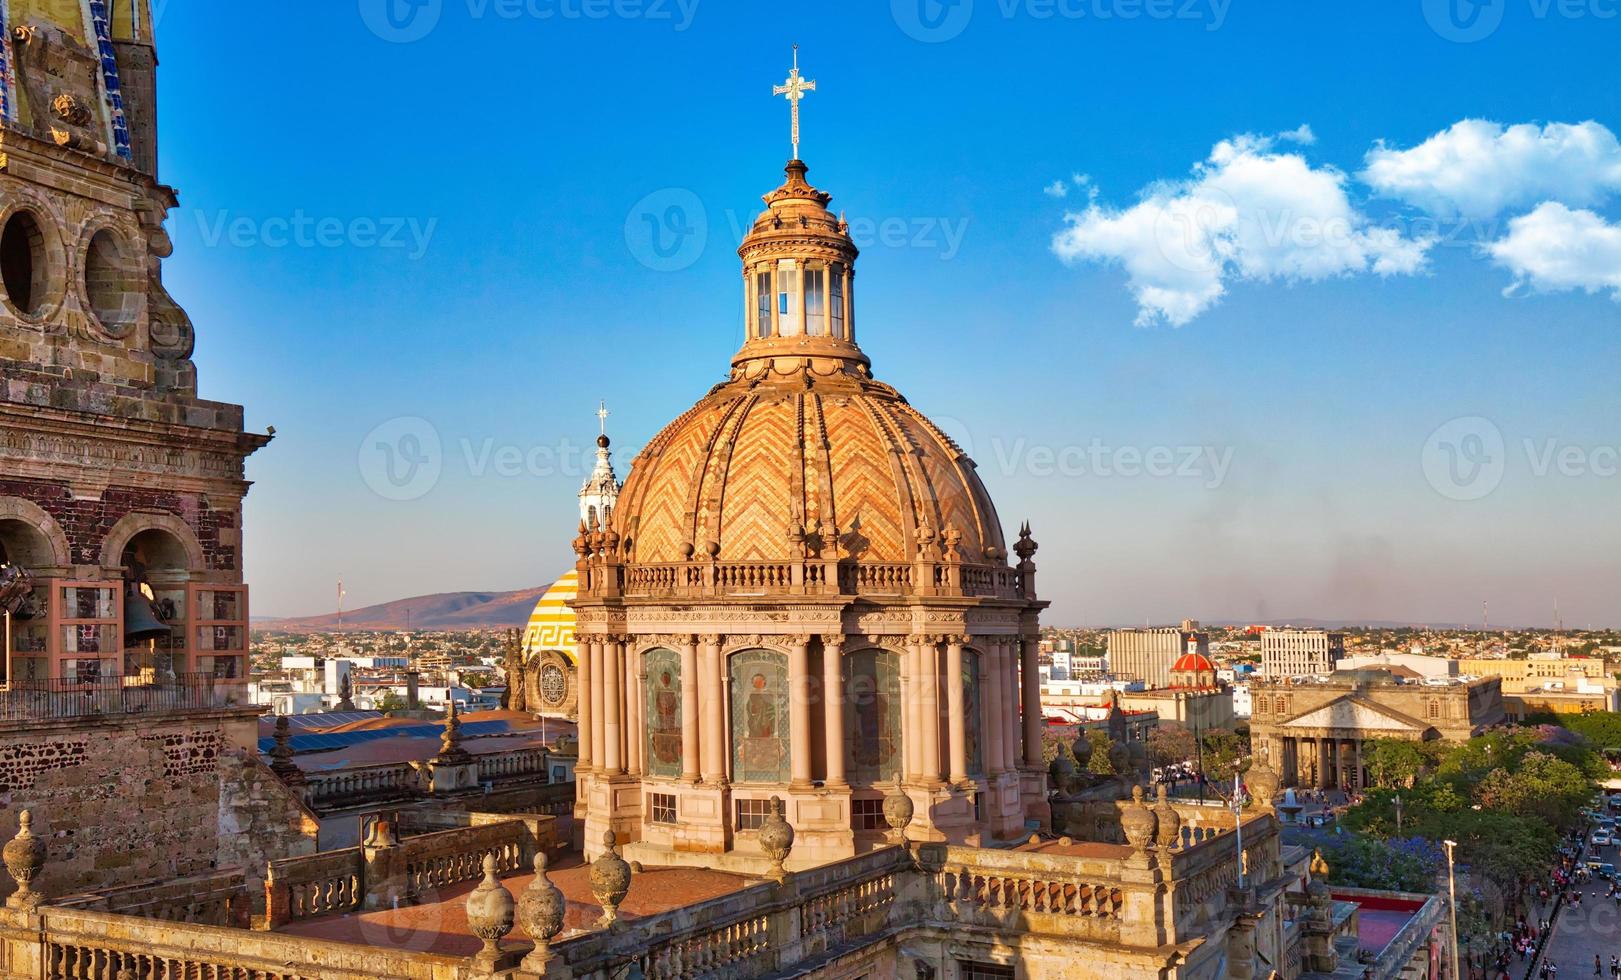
<point x="389" y="702"/>
<point x="1392" y="762"/>
<point x="1356" y="861"/>
<point x="1169" y="744"/>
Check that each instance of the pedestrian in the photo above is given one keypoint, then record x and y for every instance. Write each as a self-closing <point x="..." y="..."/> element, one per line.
<point x="1598" y="965"/>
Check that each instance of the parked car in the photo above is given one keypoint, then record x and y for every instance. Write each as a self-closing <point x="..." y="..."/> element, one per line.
<point x="1601" y="838"/>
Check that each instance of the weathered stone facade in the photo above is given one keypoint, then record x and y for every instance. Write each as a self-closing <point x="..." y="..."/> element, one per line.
<point x="127" y="800"/>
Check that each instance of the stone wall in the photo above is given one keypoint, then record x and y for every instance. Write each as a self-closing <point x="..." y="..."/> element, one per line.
<point x="143" y="798"/>
<point x="86" y="522"/>
<point x="260" y="820"/>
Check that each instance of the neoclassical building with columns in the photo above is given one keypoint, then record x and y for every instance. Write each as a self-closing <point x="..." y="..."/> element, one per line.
<point x="804" y="592"/>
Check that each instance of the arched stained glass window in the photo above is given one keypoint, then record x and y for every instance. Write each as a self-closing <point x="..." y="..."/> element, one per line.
<point x="760" y="746"/>
<point x="872" y="716"/>
<point x="663" y="712"/>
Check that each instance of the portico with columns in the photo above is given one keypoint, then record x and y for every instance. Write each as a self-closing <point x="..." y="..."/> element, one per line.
<point x="803" y="591"/>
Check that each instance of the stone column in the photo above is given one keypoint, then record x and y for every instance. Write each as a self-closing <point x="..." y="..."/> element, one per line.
<point x="1325" y="762"/>
<point x="957" y="717"/>
<point x="799" y="736"/>
<point x="833" y="708"/>
<point x="583" y="679"/>
<point x="689" y="710"/>
<point x="599" y="679"/>
<point x="1356" y="755"/>
<point x="993" y="703"/>
<point x="911" y="728"/>
<point x="635" y="729"/>
<point x="712" y="706"/>
<point x="1011" y="738"/>
<point x="929" y="707"/>
<point x="613" y="703"/>
<point x="1031" y="679"/>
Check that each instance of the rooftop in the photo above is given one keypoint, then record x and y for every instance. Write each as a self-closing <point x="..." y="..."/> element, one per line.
<point x="439" y="923"/>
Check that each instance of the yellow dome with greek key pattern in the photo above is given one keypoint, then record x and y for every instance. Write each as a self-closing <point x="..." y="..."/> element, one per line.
<point x="551" y="625"/>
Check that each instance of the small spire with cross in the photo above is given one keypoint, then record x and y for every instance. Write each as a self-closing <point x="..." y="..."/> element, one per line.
<point x="794" y="90"/>
<point x="602" y="416"/>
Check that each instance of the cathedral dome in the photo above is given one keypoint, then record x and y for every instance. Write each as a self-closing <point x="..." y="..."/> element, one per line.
<point x="801" y="444"/>
<point x="551" y="625"/>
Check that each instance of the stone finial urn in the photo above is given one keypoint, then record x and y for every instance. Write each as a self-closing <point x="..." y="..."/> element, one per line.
<point x="490" y="911"/>
<point x="898" y="813"/>
<point x="1120" y="758"/>
<point x="24" y="856"/>
<point x="1082" y="751"/>
<point x="777" y="838"/>
<point x="540" y="913"/>
<point x="1062" y="770"/>
<point x="610" y="880"/>
<point x="1138" y="821"/>
<point x="1169" y="834"/>
<point x="1263" y="786"/>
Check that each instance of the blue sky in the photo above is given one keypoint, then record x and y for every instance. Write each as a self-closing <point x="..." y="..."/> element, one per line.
<point x="454" y="228"/>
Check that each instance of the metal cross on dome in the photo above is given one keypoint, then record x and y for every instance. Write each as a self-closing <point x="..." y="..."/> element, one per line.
<point x="795" y="90"/>
<point x="602" y="416"/>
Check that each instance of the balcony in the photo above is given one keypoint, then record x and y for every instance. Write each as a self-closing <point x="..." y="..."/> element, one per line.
<point x="808" y="577"/>
<point x="53" y="698"/>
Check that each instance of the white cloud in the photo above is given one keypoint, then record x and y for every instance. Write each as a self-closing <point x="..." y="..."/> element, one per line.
<point x="1301" y="134"/>
<point x="1246" y="213"/>
<point x="1056" y="189"/>
<point x="1556" y="249"/>
<point x="1479" y="169"/>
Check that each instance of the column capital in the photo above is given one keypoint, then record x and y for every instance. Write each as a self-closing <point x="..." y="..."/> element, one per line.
<point x="711" y="639"/>
<point x="833" y="641"/>
<point x="797" y="639"/>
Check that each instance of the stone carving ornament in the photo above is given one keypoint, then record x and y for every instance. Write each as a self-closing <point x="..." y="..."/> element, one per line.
<point x="24" y="855"/>
<point x="490" y="911"/>
<point x="777" y="839"/>
<point x="540" y="912"/>
<point x="898" y="813"/>
<point x="1170" y="822"/>
<point x="610" y="879"/>
<point x="1138" y="821"/>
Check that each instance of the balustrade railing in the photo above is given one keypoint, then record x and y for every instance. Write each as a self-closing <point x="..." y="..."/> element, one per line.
<point x="219" y="898"/>
<point x="970" y="879"/>
<point x="63" y="697"/>
<point x="75" y="944"/>
<point x="433" y="861"/>
<point x="512" y="765"/>
<point x="315" y="885"/>
<point x="364" y="783"/>
<point x="811" y="576"/>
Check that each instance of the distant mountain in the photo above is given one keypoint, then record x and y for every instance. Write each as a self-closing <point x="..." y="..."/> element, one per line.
<point x="447" y="611"/>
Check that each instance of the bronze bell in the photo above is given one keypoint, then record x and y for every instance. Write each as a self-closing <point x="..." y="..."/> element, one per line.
<point x="141" y="621"/>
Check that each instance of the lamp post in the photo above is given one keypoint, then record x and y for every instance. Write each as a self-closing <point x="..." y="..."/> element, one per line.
<point x="1452" y="891"/>
<point x="1239" y="798"/>
<point x="1398" y="814"/>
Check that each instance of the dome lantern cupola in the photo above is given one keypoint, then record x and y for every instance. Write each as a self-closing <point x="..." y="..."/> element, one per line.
<point x="799" y="269"/>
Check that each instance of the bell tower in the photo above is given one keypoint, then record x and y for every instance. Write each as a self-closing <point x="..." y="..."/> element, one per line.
<point x="601" y="490"/>
<point x="120" y="490"/>
<point x="126" y="629"/>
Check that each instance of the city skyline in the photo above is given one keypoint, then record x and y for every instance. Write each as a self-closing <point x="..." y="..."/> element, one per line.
<point x="1366" y="431"/>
